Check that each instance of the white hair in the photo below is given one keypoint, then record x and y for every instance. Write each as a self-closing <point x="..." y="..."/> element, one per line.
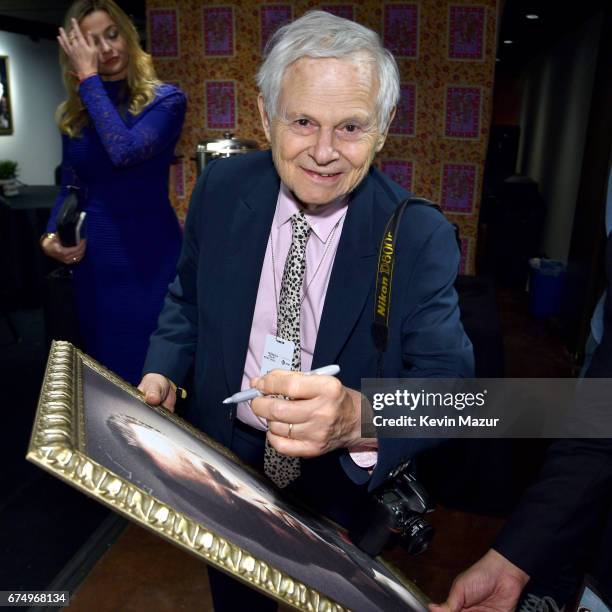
<point x="318" y="34"/>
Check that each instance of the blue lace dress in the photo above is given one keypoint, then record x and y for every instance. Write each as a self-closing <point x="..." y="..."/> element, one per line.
<point x="121" y="162"/>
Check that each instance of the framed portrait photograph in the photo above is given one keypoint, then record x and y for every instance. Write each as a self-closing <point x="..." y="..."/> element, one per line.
<point x="95" y="432"/>
<point x="6" y="115"/>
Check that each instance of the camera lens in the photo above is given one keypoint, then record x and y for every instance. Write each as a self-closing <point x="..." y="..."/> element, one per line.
<point x="417" y="534"/>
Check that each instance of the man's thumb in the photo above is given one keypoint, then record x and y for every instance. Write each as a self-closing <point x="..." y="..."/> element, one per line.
<point x="153" y="396"/>
<point x="154" y="393"/>
<point x="453" y="603"/>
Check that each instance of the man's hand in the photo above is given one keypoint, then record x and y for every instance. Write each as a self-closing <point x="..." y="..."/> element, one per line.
<point x="157" y="389"/>
<point x="492" y="584"/>
<point x="321" y="416"/>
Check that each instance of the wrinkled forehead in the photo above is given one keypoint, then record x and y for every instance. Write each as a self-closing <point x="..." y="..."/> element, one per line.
<point x="359" y="66"/>
<point x="348" y="82"/>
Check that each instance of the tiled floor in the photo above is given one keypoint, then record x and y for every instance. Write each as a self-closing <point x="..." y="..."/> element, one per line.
<point x="141" y="572"/>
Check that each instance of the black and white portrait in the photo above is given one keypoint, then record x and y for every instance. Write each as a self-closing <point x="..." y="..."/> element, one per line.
<point x="209" y="486"/>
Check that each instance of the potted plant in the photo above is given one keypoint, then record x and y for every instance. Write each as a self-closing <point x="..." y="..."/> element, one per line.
<point x="8" y="177"/>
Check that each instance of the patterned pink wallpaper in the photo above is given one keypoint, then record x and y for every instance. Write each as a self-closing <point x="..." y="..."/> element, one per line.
<point x="446" y="54"/>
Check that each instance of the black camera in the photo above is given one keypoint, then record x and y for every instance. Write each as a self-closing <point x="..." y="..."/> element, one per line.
<point x="395" y="515"/>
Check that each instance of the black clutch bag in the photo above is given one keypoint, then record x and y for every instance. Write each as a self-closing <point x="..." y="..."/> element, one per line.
<point x="69" y="221"/>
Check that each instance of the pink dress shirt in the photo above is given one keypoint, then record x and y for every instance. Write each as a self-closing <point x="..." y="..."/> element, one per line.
<point x="326" y="223"/>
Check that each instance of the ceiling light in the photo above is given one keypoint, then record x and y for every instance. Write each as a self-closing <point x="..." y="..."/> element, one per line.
<point x="508" y="41"/>
<point x="532" y="16"/>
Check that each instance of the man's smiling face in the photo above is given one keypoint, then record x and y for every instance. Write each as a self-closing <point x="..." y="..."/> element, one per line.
<point x="325" y="134"/>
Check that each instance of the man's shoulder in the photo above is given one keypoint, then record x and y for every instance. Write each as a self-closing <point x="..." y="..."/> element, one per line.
<point x="387" y="191"/>
<point x="251" y="163"/>
<point x="229" y="180"/>
<point x="418" y="218"/>
<point x="239" y="171"/>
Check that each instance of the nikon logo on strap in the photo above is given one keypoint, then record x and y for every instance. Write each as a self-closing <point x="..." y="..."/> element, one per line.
<point x="385" y="271"/>
<point x="384" y="276"/>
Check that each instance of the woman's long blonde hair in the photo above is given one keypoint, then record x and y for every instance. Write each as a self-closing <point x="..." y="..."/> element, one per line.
<point x="142" y="81"/>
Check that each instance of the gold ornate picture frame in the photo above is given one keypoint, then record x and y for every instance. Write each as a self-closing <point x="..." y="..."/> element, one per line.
<point x="95" y="432"/>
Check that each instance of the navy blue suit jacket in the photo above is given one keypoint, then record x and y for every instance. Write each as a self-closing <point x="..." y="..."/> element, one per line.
<point x="209" y="308"/>
<point x="560" y="513"/>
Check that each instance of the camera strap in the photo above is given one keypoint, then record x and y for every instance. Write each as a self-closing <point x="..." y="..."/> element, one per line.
<point x="384" y="277"/>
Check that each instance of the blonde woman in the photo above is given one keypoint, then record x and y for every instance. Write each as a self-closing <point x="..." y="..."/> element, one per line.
<point x="119" y="127"/>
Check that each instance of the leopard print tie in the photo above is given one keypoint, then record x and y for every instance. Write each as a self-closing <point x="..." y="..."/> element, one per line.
<point x="281" y="469"/>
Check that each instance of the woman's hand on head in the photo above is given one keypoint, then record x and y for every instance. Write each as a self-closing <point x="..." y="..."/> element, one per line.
<point x="80" y="49"/>
<point x="52" y="247"/>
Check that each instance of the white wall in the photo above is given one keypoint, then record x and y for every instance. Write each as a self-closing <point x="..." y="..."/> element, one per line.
<point x="36" y="90"/>
<point x="556" y="101"/>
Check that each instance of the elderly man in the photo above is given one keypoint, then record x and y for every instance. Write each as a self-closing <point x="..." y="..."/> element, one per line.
<point x="278" y="271"/>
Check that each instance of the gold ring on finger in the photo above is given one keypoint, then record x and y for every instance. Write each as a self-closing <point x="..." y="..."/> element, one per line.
<point x="290" y="429"/>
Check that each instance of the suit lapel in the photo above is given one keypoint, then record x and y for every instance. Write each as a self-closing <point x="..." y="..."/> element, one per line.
<point x="351" y="278"/>
<point x="248" y="236"/>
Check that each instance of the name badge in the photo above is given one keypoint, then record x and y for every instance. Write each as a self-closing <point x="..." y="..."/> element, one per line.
<point x="277" y="355"/>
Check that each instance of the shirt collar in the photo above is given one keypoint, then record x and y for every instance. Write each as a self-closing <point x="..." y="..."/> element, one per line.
<point x="322" y="221"/>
